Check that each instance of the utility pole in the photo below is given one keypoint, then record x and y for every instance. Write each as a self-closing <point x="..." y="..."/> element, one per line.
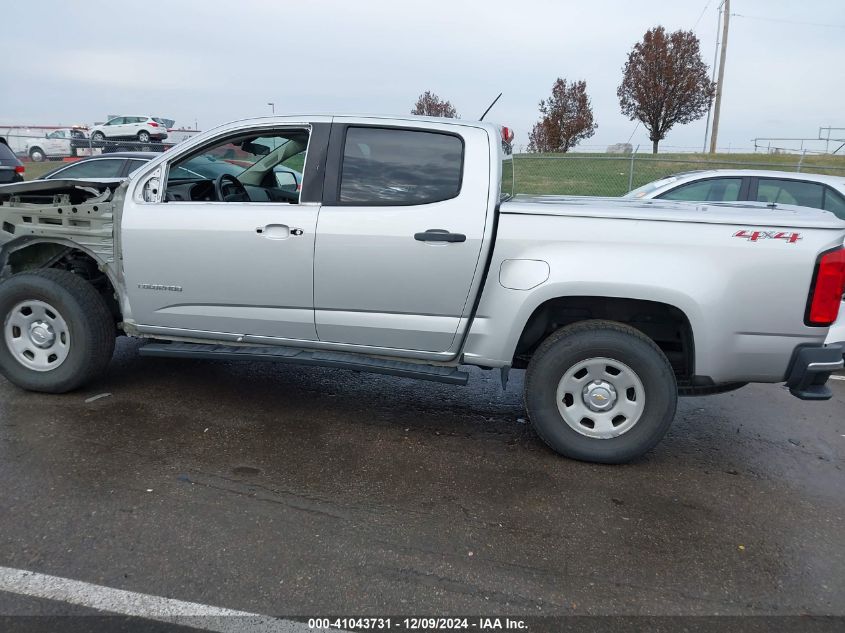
<point x="718" y="106"/>
<point x="713" y="79"/>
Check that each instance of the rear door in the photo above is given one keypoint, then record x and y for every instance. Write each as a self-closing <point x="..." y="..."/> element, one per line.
<point x="400" y="234"/>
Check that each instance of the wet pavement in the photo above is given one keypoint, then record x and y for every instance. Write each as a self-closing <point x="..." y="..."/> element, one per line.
<point x="301" y="491"/>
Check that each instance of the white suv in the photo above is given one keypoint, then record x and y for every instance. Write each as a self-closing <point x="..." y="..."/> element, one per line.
<point x="141" y="128"/>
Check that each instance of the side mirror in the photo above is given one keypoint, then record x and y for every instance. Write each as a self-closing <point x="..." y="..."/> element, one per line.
<point x="286" y="180"/>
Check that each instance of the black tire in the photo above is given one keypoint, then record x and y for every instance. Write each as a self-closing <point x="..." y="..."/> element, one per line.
<point x="98" y="139"/>
<point x="143" y="136"/>
<point x="579" y="342"/>
<point x="90" y="323"/>
<point x="37" y="155"/>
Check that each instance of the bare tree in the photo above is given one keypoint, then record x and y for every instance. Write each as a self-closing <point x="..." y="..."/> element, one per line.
<point x="429" y="104"/>
<point x="665" y="82"/>
<point x="567" y="119"/>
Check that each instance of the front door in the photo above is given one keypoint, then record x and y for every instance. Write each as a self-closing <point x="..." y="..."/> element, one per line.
<point x="227" y="252"/>
<point x="400" y="235"/>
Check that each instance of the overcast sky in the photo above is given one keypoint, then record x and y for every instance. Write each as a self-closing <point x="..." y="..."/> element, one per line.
<point x="210" y="62"/>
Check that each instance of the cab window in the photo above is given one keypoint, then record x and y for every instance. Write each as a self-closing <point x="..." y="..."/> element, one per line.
<point x="243" y="168"/>
<point x="383" y="166"/>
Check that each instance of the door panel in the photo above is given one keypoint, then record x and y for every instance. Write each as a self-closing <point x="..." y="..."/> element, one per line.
<point x="374" y="283"/>
<point x="205" y="266"/>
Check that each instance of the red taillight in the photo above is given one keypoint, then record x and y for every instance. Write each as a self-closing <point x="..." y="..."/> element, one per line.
<point x="507" y="135"/>
<point x="826" y="291"/>
<point x="152" y="123"/>
<point x="19" y="169"/>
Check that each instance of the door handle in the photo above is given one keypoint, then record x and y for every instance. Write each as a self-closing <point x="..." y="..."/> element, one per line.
<point x="277" y="231"/>
<point x="439" y="235"/>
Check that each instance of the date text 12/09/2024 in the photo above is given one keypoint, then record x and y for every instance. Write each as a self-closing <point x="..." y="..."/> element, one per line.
<point x="417" y="624"/>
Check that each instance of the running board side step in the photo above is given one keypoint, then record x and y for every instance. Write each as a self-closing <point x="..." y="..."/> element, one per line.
<point x="298" y="356"/>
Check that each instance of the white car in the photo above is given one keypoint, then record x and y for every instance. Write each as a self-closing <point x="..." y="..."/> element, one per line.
<point x="141" y="128"/>
<point x="734" y="185"/>
<point x="56" y="144"/>
<point x="759" y="185"/>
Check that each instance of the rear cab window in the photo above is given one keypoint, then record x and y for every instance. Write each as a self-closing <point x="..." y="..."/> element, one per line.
<point x="506" y="184"/>
<point x="388" y="166"/>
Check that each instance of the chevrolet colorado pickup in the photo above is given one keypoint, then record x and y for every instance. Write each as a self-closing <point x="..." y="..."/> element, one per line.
<point x="401" y="251"/>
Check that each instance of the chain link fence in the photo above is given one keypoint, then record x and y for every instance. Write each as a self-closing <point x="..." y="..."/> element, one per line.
<point x="575" y="173"/>
<point x="583" y="174"/>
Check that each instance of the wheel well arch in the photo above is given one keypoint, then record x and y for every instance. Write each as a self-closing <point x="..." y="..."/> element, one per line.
<point x="665" y="324"/>
<point x="29" y="254"/>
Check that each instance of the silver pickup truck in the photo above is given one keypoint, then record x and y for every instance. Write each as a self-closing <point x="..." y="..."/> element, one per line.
<point x="393" y="245"/>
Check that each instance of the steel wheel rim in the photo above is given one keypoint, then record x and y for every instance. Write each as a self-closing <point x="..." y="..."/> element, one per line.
<point x="600" y="398"/>
<point x="37" y="335"/>
<point x="144" y="137"/>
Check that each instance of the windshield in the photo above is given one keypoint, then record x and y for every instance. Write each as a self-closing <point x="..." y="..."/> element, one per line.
<point x="645" y="190"/>
<point x="202" y="168"/>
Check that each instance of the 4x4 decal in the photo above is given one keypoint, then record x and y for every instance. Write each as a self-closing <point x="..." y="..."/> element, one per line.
<point x="756" y="236"/>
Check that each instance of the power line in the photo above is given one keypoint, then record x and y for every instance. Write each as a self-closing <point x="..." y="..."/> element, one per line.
<point x="701" y="15"/>
<point x="787" y="21"/>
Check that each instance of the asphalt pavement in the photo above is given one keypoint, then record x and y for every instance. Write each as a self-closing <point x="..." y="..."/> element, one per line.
<point x="293" y="491"/>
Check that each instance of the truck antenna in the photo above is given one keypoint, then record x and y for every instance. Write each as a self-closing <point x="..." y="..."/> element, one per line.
<point x="490" y="107"/>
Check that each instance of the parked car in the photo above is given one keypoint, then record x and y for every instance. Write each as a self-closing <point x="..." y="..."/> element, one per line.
<point x="403" y="253"/>
<point x="114" y="165"/>
<point x="56" y="144"/>
<point x="142" y="128"/>
<point x="772" y="187"/>
<point x="11" y="168"/>
<point x="734" y="185"/>
<point x="121" y="164"/>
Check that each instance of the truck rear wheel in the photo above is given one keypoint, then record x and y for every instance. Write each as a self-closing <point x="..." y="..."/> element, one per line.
<point x="58" y="332"/>
<point x="600" y="391"/>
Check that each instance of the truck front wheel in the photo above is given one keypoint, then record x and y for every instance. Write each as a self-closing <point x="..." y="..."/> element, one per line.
<point x="600" y="391"/>
<point x="58" y="332"/>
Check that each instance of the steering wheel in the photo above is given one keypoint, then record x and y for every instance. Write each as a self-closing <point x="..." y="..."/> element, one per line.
<point x="237" y="192"/>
